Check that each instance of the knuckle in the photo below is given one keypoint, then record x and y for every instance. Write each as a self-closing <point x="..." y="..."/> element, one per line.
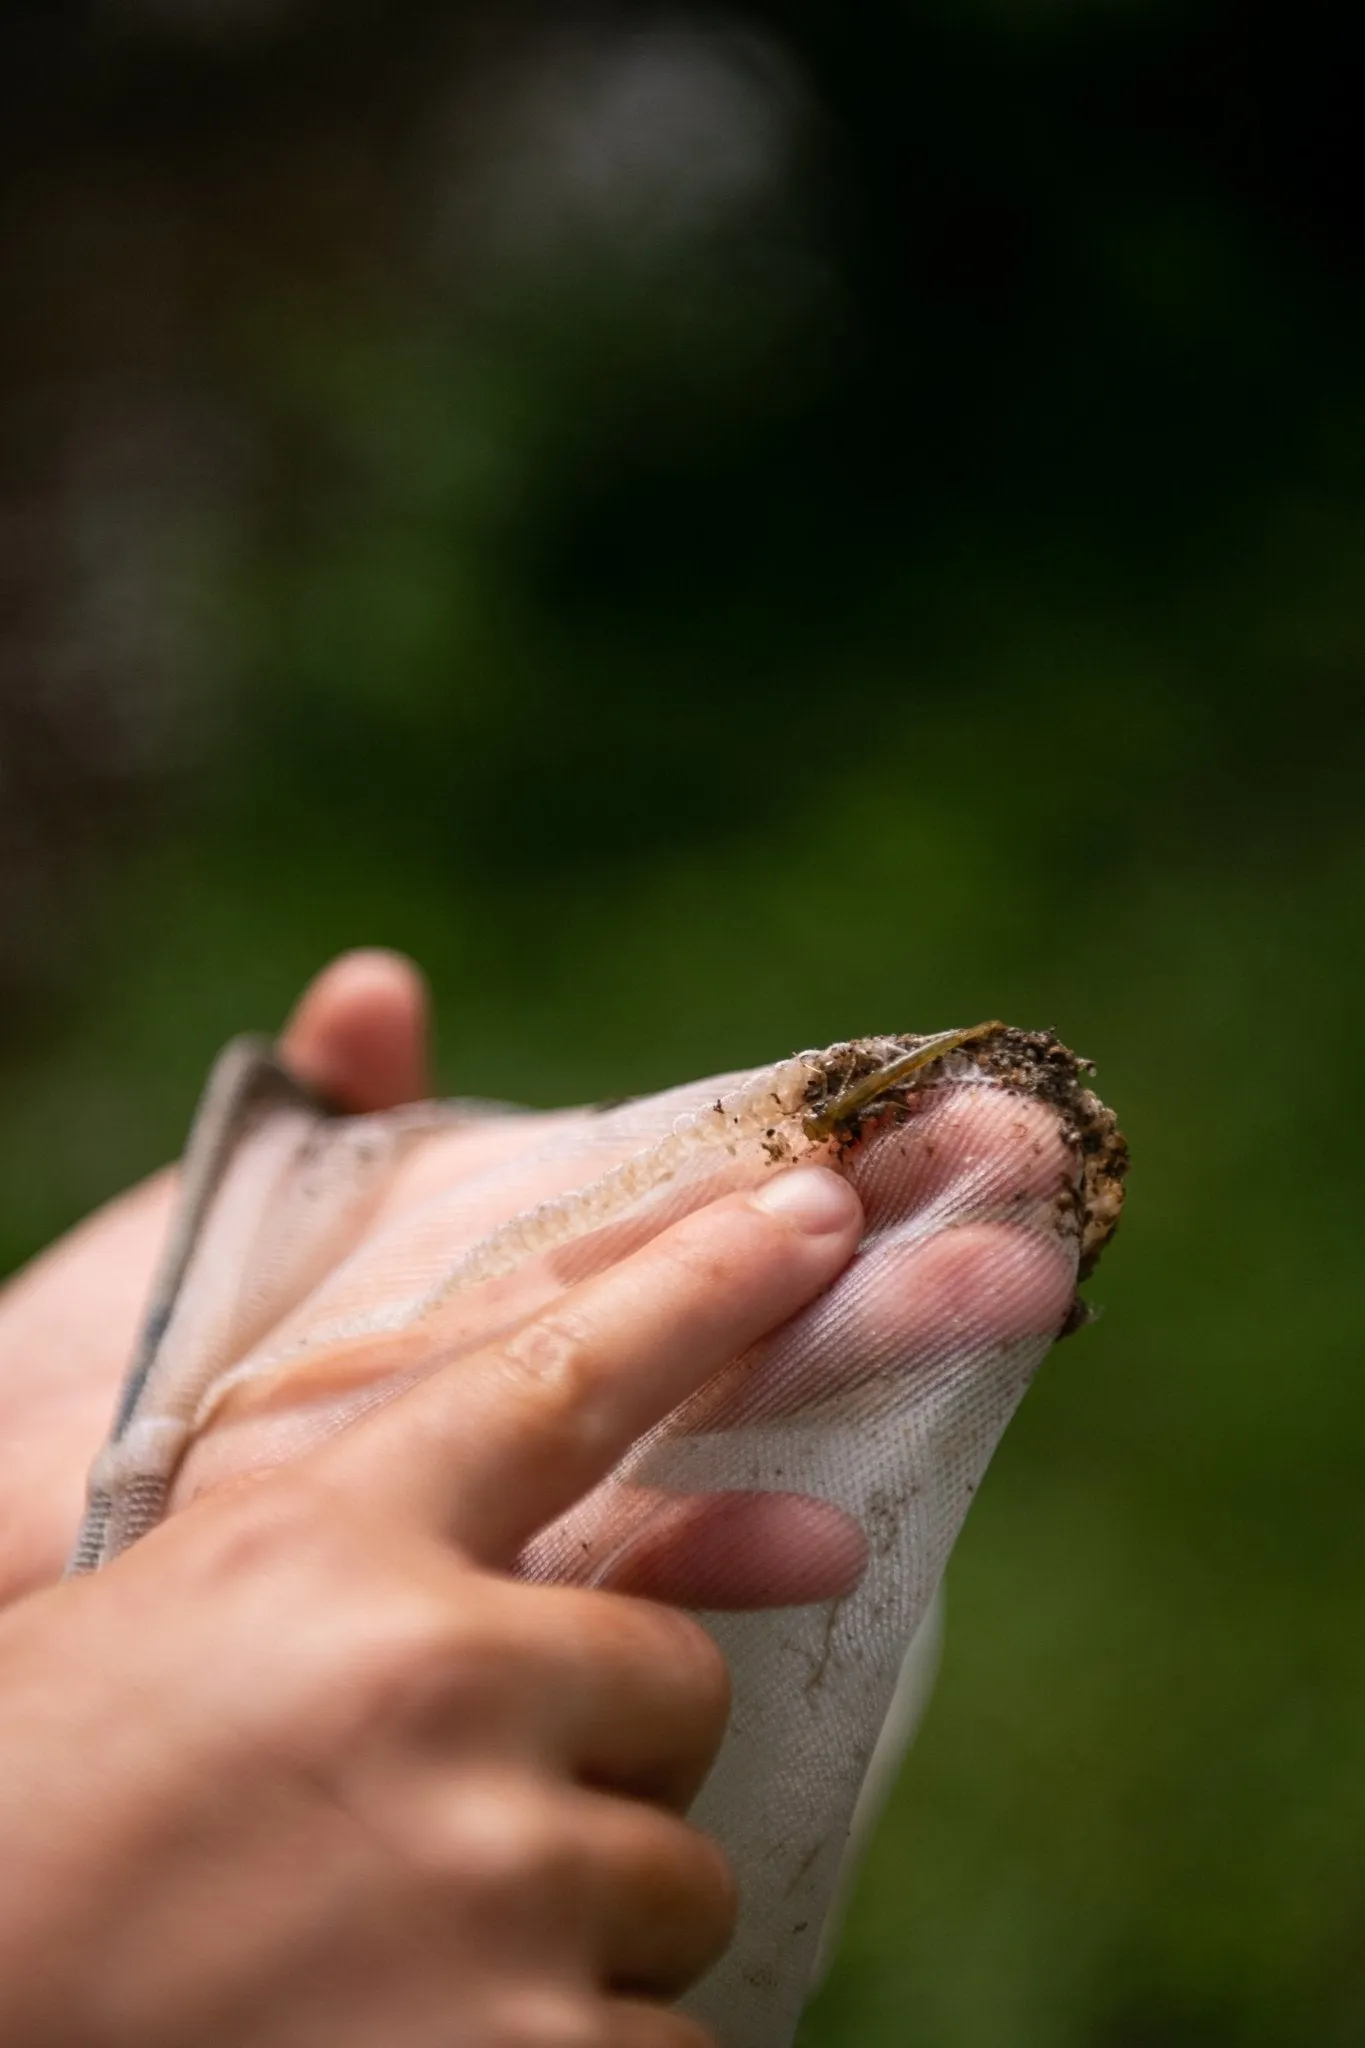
<point x="546" y="2019"/>
<point x="380" y="1629"/>
<point x="437" y="1657"/>
<point x="311" y="1539"/>
<point x="253" y="1525"/>
<point x="677" y="1874"/>
<point x="709" y="1881"/>
<point x="555" y="1359"/>
<point x="551" y="1350"/>
<point x="507" y="1849"/>
<point x="410" y="1656"/>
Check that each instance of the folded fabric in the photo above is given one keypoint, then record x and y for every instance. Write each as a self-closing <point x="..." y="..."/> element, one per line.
<point x="804" y="1503"/>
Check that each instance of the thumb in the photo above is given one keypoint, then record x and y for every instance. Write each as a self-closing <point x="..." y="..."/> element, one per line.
<point x="358" y="1035"/>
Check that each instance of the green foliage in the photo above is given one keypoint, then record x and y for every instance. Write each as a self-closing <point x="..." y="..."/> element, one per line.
<point x="1138" y="1807"/>
<point x="677" y="707"/>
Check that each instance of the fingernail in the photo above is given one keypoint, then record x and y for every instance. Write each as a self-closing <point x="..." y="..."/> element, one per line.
<point x="811" y="1198"/>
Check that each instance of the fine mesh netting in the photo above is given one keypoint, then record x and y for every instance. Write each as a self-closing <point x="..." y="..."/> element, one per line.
<point x="803" y="1503"/>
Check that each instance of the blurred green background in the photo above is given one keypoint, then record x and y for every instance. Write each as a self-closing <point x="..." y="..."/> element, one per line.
<point x="719" y="531"/>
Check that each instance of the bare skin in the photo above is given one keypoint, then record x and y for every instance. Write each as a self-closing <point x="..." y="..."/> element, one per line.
<point x="306" y="1766"/>
<point x="309" y="1765"/>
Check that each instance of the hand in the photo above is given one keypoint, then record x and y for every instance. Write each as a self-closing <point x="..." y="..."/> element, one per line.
<point x="999" y="1276"/>
<point x="69" y="1320"/>
<point x="307" y="1769"/>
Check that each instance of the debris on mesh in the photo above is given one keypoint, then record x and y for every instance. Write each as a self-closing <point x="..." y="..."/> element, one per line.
<point x="804" y="1503"/>
<point x="1034" y="1063"/>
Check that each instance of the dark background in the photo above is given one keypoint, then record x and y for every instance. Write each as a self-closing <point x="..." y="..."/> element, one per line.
<point x="718" y="531"/>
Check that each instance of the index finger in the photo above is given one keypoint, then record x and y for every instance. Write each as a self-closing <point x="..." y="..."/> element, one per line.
<point x="492" y="1446"/>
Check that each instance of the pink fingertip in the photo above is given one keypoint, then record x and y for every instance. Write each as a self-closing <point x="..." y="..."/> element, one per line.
<point x="811" y="1199"/>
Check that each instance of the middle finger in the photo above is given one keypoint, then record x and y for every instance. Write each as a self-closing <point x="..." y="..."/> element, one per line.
<point x="626" y="1694"/>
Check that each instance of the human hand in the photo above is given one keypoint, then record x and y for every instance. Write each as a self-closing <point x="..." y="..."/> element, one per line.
<point x="300" y="1365"/>
<point x="306" y="1766"/>
<point x="69" y="1320"/>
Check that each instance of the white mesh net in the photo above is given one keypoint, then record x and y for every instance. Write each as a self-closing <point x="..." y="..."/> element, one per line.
<point x="804" y="1503"/>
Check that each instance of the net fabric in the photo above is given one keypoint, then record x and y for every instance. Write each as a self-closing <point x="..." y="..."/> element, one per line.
<point x="804" y="1502"/>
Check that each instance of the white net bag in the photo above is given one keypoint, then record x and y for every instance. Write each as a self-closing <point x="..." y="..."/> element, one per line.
<point x="804" y="1503"/>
